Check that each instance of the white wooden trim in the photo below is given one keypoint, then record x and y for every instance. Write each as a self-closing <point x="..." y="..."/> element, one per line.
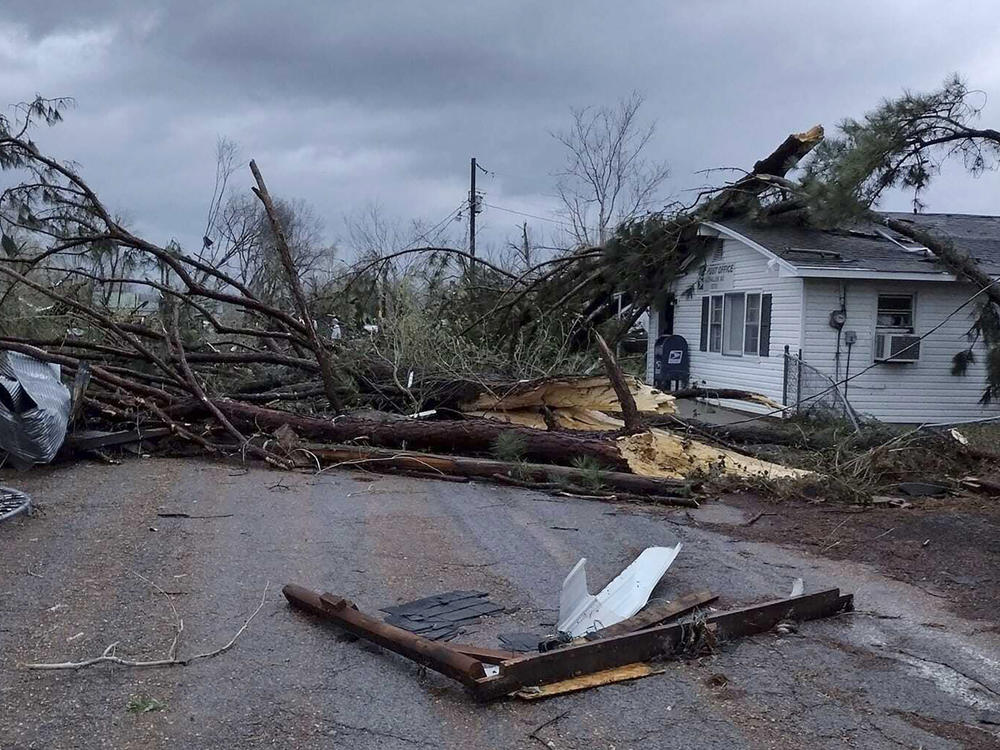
<point x="721" y="229"/>
<point x="860" y="273"/>
<point x="748" y="407"/>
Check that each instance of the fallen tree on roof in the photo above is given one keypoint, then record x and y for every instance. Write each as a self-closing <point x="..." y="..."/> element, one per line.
<point x="235" y="349"/>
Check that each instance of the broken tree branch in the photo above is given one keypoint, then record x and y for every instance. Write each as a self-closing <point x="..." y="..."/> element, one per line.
<point x="630" y="413"/>
<point x="295" y="285"/>
<point x="110" y="657"/>
<point x="192" y="379"/>
<point x="546" y="476"/>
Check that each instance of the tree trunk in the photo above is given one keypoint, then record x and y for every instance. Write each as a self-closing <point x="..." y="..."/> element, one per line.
<point x="778" y="163"/>
<point x="958" y="263"/>
<point x="670" y="491"/>
<point x="326" y="370"/>
<point x="633" y="422"/>
<point x="458" y="436"/>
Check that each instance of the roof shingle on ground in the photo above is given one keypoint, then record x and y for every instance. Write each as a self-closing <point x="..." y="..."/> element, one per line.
<point x="862" y="248"/>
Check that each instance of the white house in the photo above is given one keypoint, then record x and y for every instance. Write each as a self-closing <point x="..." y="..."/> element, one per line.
<point x="864" y="305"/>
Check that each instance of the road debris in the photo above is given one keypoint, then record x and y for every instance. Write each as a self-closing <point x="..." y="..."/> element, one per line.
<point x="110" y="654"/>
<point x="520" y="642"/>
<point x="656" y="614"/>
<point x="440" y="616"/>
<point x="34" y="409"/>
<point x="491" y="679"/>
<point x="581" y="612"/>
<point x="13" y="503"/>
<point x="587" y="681"/>
<point x="923" y="489"/>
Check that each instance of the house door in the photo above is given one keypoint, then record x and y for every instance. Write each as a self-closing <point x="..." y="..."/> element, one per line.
<point x="665" y="325"/>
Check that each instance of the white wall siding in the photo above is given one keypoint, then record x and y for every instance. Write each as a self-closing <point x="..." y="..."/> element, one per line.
<point x="763" y="375"/>
<point x="652" y="333"/>
<point x="925" y="391"/>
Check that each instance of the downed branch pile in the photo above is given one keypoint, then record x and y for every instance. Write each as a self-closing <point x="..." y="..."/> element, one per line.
<point x="226" y="334"/>
<point x="878" y="464"/>
<point x="215" y="350"/>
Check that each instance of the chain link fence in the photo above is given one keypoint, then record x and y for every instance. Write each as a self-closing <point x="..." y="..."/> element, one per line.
<point x="811" y="392"/>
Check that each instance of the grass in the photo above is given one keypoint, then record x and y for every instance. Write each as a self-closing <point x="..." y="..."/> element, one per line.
<point x="592" y="472"/>
<point x="509" y="446"/>
<point x="521" y="471"/>
<point x="143" y="704"/>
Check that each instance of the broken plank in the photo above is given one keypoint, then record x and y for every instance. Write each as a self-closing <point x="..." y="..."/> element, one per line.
<point x="485" y="655"/>
<point x="655" y="614"/>
<point x="584" y="682"/>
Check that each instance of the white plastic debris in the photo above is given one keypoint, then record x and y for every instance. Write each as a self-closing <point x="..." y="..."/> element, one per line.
<point x="581" y="612"/>
<point x="958" y="436"/>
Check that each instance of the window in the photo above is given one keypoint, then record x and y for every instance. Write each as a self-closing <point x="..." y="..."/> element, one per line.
<point x="737" y="323"/>
<point x="751" y="329"/>
<point x="895" y="311"/>
<point x="733" y="320"/>
<point x="894" y="315"/>
<point x="715" y="325"/>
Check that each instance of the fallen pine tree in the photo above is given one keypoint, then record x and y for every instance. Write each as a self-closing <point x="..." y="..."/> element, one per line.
<point x="449" y="436"/>
<point x="220" y="351"/>
<point x="530" y="475"/>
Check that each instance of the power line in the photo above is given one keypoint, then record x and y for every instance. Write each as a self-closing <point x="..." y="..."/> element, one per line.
<point x="530" y="216"/>
<point x="449" y="217"/>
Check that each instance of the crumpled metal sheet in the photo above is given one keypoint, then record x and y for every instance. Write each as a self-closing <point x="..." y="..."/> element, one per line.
<point x="581" y="612"/>
<point x="34" y="409"/>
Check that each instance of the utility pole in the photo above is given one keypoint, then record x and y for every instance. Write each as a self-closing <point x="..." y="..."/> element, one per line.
<point x="473" y="207"/>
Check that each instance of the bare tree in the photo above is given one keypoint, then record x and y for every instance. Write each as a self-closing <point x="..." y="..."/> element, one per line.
<point x="245" y="243"/>
<point x="607" y="179"/>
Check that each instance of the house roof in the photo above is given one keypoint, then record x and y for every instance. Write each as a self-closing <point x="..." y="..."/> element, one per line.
<point x="865" y="248"/>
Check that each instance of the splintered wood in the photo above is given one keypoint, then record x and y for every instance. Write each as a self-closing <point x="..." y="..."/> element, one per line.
<point x="595" y="393"/>
<point x="658" y="453"/>
<point x="582" y="404"/>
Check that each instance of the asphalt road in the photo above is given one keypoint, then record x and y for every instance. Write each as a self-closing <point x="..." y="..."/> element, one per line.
<point x="902" y="672"/>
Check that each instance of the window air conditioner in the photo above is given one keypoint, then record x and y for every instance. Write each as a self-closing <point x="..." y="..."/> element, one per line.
<point x="897" y="347"/>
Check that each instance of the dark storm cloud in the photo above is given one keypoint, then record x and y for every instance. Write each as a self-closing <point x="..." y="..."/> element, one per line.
<point x="347" y="103"/>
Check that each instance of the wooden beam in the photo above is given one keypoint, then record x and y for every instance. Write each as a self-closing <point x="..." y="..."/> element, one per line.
<point x="659" y="642"/>
<point x="432" y="654"/>
<point x="467" y="664"/>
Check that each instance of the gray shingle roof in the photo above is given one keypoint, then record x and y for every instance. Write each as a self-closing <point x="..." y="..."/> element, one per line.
<point x="863" y="249"/>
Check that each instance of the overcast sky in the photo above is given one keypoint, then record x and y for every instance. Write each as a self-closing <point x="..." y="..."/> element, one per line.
<point x="348" y="104"/>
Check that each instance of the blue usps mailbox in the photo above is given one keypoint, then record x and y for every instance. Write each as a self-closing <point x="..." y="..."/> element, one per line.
<point x="671" y="363"/>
